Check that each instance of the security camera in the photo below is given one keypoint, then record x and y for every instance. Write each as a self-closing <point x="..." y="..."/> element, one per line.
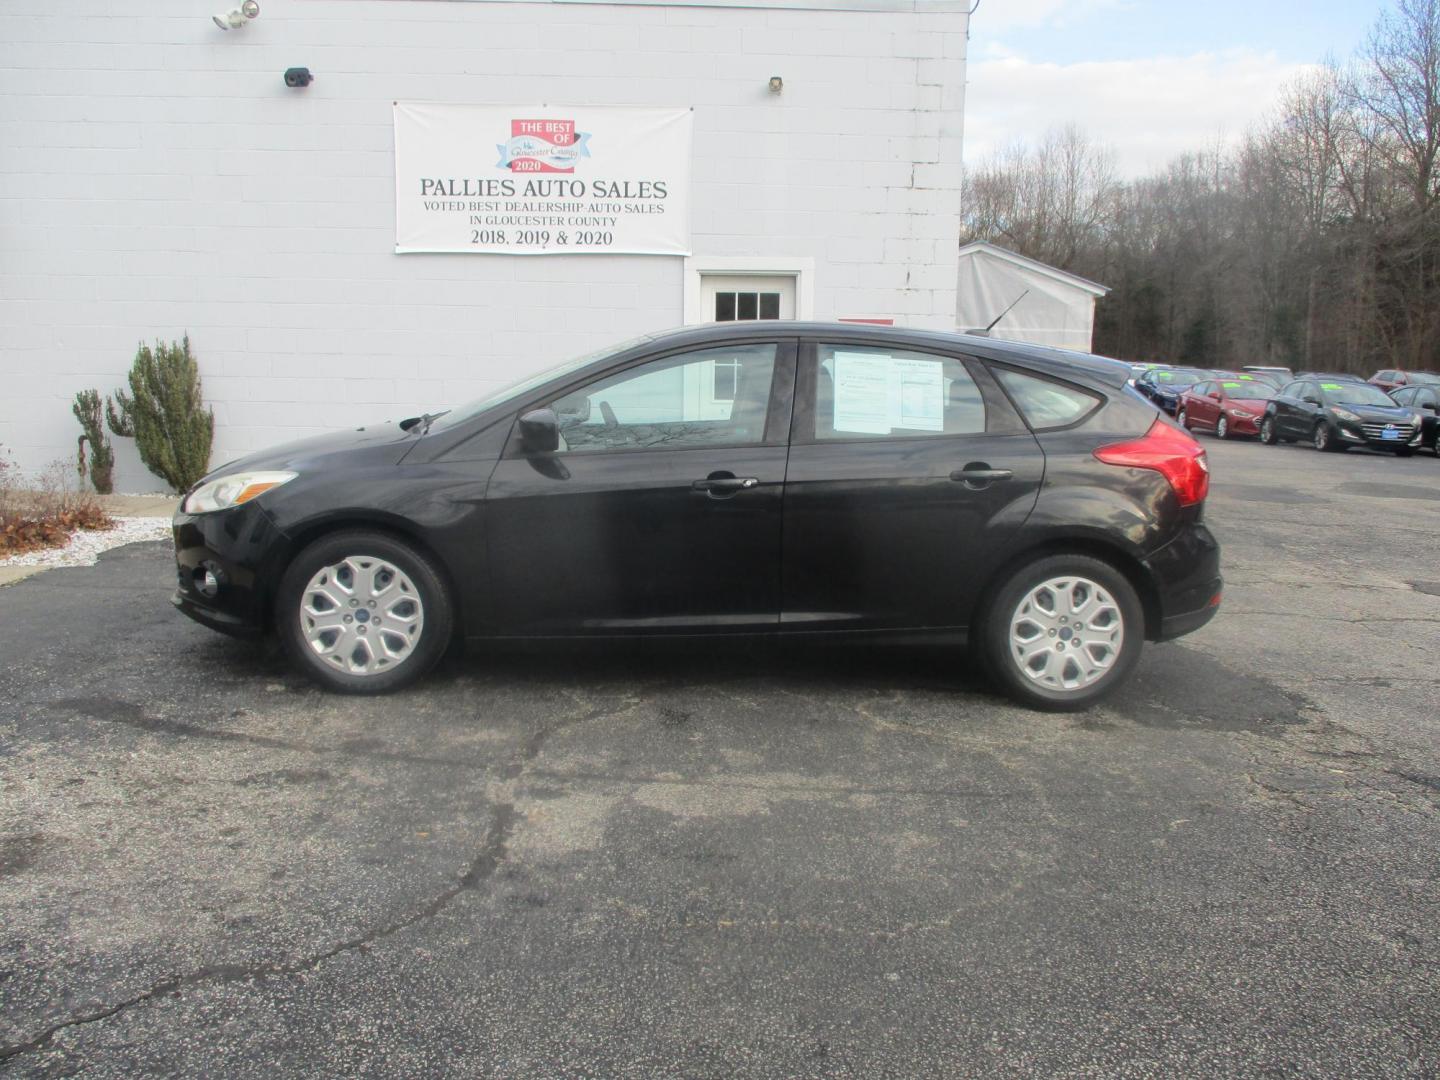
<point x="298" y="77"/>
<point x="233" y="20"/>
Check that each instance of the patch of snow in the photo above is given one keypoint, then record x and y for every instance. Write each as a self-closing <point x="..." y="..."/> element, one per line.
<point x="85" y="546"/>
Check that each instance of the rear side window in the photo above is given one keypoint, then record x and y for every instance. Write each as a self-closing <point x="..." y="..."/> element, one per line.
<point x="865" y="392"/>
<point x="1046" y="404"/>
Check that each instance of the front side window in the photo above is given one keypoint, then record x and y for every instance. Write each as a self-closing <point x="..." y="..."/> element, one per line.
<point x="1046" y="404"/>
<point x="864" y="392"/>
<point x="1403" y="397"/>
<point x="711" y="397"/>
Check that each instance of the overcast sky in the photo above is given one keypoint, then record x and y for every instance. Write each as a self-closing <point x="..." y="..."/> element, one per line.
<point x="1153" y="78"/>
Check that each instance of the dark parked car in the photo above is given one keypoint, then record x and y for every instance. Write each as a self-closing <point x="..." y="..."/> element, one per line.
<point x="778" y="479"/>
<point x="1426" y="401"/>
<point x="1393" y="380"/>
<point x="1164" y="386"/>
<point x="1229" y="405"/>
<point x="1336" y="415"/>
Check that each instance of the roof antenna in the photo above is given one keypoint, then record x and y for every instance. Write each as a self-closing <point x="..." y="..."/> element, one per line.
<point x="986" y="332"/>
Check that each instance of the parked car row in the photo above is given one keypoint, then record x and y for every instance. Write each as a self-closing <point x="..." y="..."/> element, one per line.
<point x="1331" y="411"/>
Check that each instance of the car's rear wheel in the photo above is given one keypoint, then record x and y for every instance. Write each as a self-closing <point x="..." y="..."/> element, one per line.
<point x="1268" y="433"/>
<point x="1222" y="427"/>
<point x="363" y="613"/>
<point x="1063" y="632"/>
<point x="1183" y="419"/>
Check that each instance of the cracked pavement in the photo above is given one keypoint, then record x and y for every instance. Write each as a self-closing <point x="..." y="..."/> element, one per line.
<point x="744" y="863"/>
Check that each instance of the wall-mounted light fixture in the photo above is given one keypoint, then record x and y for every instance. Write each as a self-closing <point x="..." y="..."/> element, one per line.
<point x="298" y="77"/>
<point x="776" y="84"/>
<point x="233" y="20"/>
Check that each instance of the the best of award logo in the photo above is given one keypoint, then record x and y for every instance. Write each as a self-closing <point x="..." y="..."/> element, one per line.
<point x="551" y="146"/>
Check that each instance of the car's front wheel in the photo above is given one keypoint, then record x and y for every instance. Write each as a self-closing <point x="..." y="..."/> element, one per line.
<point x="1222" y="427"/>
<point x="1269" y="435"/>
<point x="363" y="612"/>
<point x="1063" y="632"/>
<point x="1324" y="438"/>
<point x="1183" y="419"/>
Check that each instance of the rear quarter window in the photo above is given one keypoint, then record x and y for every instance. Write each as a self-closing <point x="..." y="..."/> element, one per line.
<point x="1046" y="404"/>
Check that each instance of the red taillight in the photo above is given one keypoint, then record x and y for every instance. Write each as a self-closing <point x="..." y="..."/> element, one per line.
<point x="1170" y="452"/>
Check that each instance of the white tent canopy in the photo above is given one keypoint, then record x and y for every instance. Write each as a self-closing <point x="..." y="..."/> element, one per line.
<point x="1057" y="308"/>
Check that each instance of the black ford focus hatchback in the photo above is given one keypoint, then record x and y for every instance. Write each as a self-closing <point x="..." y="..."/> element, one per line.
<point x="781" y="479"/>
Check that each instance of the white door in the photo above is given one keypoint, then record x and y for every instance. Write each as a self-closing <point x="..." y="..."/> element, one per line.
<point x="734" y="298"/>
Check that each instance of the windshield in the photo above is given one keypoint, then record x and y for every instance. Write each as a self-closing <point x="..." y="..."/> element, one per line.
<point x="516" y="389"/>
<point x="1358" y="393"/>
<point x="1247" y="388"/>
<point x="1176" y="376"/>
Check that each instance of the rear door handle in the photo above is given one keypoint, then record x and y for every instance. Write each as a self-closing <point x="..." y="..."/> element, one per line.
<point x="723" y="486"/>
<point x="980" y="475"/>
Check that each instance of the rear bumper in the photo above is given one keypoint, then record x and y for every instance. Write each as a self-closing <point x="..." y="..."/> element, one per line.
<point x="1186" y="573"/>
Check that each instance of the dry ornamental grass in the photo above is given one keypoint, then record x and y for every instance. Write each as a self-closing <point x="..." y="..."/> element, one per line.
<point x="46" y="514"/>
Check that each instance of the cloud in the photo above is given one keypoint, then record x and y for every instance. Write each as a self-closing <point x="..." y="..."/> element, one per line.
<point x="1149" y="110"/>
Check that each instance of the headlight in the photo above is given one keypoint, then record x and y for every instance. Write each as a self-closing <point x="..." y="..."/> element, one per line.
<point x="1345" y="414"/>
<point x="1241" y="414"/>
<point x="233" y="490"/>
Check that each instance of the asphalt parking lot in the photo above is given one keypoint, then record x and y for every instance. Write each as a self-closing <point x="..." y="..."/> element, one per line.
<point x="745" y="864"/>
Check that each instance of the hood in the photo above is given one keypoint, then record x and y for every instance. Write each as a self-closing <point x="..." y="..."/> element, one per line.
<point x="384" y="439"/>
<point x="1392" y="414"/>
<point x="1249" y="404"/>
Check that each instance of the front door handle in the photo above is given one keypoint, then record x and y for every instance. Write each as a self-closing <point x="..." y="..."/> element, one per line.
<point x="724" y="485"/>
<point x="979" y="475"/>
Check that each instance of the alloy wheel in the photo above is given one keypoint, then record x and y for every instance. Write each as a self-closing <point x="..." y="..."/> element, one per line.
<point x="1322" y="436"/>
<point x="362" y="615"/>
<point x="1222" y="427"/>
<point x="1066" y="633"/>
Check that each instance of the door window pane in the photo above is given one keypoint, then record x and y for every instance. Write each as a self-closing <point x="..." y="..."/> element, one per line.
<point x="864" y="392"/>
<point x="1046" y="404"/>
<point x="769" y="305"/>
<point x="712" y="397"/>
<point x="746" y="305"/>
<point x="724" y="307"/>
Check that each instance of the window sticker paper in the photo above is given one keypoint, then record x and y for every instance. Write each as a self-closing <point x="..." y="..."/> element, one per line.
<point x="917" y="395"/>
<point x="862" y="393"/>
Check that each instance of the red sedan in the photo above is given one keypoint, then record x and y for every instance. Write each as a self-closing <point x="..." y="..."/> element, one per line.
<point x="1227" y="405"/>
<point x="1394" y="380"/>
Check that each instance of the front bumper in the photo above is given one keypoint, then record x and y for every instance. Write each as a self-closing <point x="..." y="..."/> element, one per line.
<point x="1372" y="435"/>
<point x="1240" y="425"/>
<point x="222" y="564"/>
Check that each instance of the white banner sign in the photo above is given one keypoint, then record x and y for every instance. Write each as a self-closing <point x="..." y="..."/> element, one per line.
<point x="551" y="180"/>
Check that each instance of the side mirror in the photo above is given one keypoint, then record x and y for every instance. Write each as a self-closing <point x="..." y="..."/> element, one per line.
<point x="540" y="432"/>
<point x="572" y="412"/>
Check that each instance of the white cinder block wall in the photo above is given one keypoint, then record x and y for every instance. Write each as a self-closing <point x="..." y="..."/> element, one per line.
<point x="157" y="178"/>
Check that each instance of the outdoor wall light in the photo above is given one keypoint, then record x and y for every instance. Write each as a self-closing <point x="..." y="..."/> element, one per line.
<point x="298" y="77"/>
<point x="233" y="20"/>
<point x="776" y="84"/>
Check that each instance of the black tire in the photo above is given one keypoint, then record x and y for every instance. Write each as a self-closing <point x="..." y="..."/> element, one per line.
<point x="1183" y="419"/>
<point x="1269" y="435"/>
<point x="992" y="635"/>
<point x="1222" y="427"/>
<point x="435" y="606"/>
<point x="1323" y="439"/>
